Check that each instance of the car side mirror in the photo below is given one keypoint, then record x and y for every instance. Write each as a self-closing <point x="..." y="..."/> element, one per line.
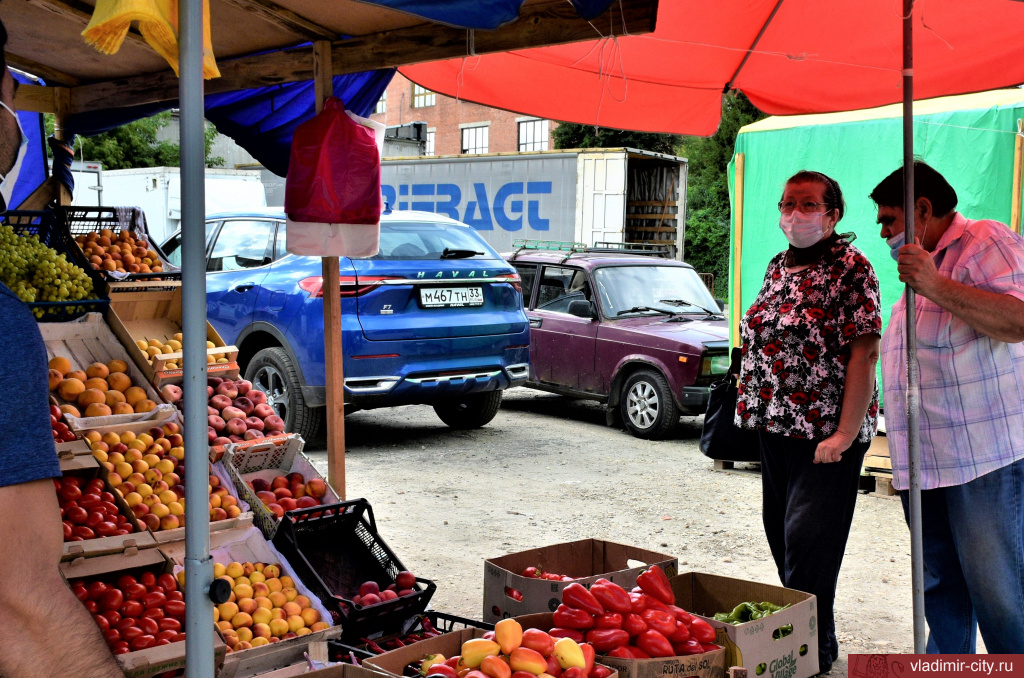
<point x="721" y="304"/>
<point x="581" y="308"/>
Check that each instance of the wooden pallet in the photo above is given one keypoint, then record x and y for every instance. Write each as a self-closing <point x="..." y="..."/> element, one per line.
<point x="883" y="485"/>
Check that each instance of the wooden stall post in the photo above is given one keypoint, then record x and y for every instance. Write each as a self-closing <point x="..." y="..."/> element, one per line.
<point x="323" y="85"/>
<point x="62" y="107"/>
<point x="1018" y="161"/>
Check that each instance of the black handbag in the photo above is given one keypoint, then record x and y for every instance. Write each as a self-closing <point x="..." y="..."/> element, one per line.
<point x="720" y="439"/>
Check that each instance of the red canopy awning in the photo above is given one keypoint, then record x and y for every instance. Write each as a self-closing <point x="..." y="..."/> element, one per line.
<point x="788" y="56"/>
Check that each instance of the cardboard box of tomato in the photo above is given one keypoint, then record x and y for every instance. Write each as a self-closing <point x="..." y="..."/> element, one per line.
<point x="109" y="587"/>
<point x="783" y="644"/>
<point x="507" y="593"/>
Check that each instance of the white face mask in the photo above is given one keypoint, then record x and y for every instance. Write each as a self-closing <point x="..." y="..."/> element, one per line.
<point x="7" y="182"/>
<point x="803" y="230"/>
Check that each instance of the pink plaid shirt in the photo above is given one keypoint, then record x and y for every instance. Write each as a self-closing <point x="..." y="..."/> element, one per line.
<point x="972" y="386"/>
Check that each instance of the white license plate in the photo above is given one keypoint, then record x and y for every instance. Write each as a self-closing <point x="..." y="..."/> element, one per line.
<point x="451" y="297"/>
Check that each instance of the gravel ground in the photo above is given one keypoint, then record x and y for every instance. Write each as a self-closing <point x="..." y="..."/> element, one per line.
<point x="547" y="470"/>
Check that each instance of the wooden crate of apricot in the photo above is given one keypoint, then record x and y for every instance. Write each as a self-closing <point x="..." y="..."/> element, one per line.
<point x="123" y="253"/>
<point x="144" y="465"/>
<point x="149" y="326"/>
<point x="91" y="375"/>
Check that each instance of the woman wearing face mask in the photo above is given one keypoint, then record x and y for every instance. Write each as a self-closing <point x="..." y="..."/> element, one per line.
<point x="807" y="386"/>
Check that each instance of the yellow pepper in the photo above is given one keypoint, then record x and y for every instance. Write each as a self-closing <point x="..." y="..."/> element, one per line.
<point x="474" y="651"/>
<point x="509" y="635"/>
<point x="569" y="654"/>
<point x="431" y="660"/>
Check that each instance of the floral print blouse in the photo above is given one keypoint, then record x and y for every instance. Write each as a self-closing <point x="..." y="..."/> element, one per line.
<point x="796" y="345"/>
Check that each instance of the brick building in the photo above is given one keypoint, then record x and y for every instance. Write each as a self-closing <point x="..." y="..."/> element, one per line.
<point x="455" y="127"/>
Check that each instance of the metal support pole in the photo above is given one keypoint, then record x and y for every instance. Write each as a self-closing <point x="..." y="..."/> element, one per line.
<point x="198" y="565"/>
<point x="913" y="379"/>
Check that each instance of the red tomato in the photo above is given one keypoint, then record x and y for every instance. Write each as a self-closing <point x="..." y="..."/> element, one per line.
<point x="161" y="641"/>
<point x="80" y="592"/>
<point x="92" y="606"/>
<point x="106" y="529"/>
<point x="175" y="595"/>
<point x="111" y="636"/>
<point x="135" y="591"/>
<point x="109" y="507"/>
<point x="168" y="582"/>
<point x="154" y="613"/>
<point x="84" y="532"/>
<point x="96" y="590"/>
<point x="149" y="626"/>
<point x="89" y="501"/>
<point x="112" y="616"/>
<point x="131" y="608"/>
<point x="101" y="621"/>
<point x="76" y="514"/>
<point x="148" y="578"/>
<point x="142" y="642"/>
<point x="154" y="599"/>
<point x="120" y="648"/>
<point x="169" y="624"/>
<point x="111" y="600"/>
<point x="175" y="608"/>
<point x="124" y="581"/>
<point x="178" y="638"/>
<point x="166" y="635"/>
<point x="69" y="491"/>
<point x="107" y="496"/>
<point x="131" y="633"/>
<point x="125" y="623"/>
<point x="121" y="533"/>
<point x="67" y="530"/>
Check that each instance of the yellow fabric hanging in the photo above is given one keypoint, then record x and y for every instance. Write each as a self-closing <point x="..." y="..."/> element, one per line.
<point x="158" y="23"/>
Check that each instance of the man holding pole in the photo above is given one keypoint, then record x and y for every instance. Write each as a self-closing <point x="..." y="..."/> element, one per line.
<point x="969" y="276"/>
<point x="47" y="631"/>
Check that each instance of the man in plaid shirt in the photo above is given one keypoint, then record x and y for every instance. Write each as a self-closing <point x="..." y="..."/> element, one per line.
<point x="969" y="278"/>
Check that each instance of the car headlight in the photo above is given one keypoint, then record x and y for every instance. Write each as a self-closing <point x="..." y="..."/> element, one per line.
<point x="714" y="364"/>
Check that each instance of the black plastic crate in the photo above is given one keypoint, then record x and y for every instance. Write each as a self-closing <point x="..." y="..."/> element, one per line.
<point x="345" y="651"/>
<point x="83" y="220"/>
<point x="46" y="226"/>
<point x="333" y="554"/>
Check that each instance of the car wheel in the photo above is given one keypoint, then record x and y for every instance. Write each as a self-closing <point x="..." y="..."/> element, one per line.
<point x="648" y="409"/>
<point x="472" y="411"/>
<point x="272" y="372"/>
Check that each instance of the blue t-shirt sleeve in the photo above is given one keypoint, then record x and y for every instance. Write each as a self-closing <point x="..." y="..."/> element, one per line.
<point x="27" y="450"/>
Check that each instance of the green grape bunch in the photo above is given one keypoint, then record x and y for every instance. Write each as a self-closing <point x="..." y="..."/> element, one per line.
<point x="37" y="273"/>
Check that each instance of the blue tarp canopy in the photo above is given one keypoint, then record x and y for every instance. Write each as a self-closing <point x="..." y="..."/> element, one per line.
<point x="262" y="120"/>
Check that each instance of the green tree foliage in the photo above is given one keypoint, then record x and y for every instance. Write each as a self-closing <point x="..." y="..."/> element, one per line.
<point x="573" y="135"/>
<point x="707" y="196"/>
<point x="136" y="145"/>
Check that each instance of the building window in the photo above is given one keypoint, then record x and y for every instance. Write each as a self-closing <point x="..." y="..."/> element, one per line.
<point x="474" y="139"/>
<point x="382" y="104"/>
<point x="533" y="135"/>
<point x="430" y="143"/>
<point x="421" y="97"/>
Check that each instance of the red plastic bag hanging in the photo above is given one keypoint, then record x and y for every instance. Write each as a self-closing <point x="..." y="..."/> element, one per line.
<point x="332" y="193"/>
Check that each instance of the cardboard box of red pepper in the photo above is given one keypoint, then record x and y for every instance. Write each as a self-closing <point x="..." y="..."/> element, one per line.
<point x="532" y="581"/>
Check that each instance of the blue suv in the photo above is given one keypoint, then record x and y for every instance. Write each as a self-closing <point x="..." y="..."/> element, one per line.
<point x="436" y="317"/>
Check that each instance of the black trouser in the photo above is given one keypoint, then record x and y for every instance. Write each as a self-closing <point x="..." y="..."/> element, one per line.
<point x="807" y="512"/>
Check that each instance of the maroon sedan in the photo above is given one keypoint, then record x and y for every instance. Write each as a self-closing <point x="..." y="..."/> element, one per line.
<point x="640" y="333"/>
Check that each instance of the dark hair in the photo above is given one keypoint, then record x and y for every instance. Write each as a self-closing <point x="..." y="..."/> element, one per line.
<point x="928" y="183"/>
<point x="833" y="194"/>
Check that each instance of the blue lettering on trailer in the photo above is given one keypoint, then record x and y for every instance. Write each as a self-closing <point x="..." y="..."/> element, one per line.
<point x="507" y="212"/>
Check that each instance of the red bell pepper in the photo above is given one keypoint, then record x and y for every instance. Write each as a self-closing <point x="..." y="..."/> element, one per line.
<point x="662" y="622"/>
<point x="681" y="614"/>
<point x="680" y="635"/>
<point x="613" y="597"/>
<point x="576" y="595"/>
<point x="655" y="604"/>
<point x="710" y="647"/>
<point x="688" y="647"/>
<point x="574" y="672"/>
<point x="702" y="631"/>
<point x="589" y="655"/>
<point x="638" y="602"/>
<point x="654" y="583"/>
<point x="573" y="618"/>
<point x="621" y="653"/>
<point x="599" y="672"/>
<point x="655" y="644"/>
<point x="566" y="633"/>
<point x="604" y="640"/>
<point x="636" y="653"/>
<point x="609" y="620"/>
<point x="634" y="625"/>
